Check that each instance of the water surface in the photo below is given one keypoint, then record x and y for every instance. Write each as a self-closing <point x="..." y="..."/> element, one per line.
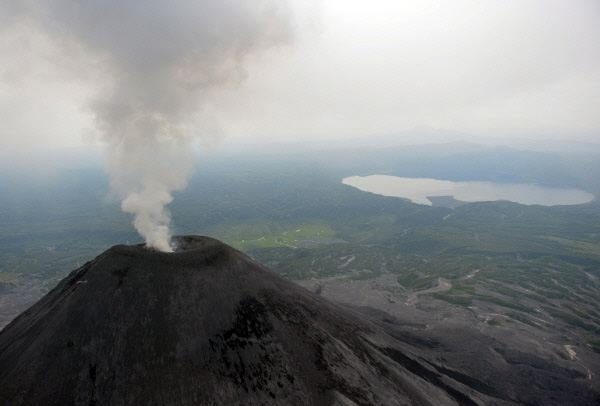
<point x="420" y="190"/>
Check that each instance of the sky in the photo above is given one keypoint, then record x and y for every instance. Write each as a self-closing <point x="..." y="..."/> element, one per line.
<point x="351" y="69"/>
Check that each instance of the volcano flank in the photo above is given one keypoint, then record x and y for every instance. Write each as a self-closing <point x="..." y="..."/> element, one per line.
<point x="207" y="325"/>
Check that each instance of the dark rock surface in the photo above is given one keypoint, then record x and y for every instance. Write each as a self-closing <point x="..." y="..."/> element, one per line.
<point x="207" y="325"/>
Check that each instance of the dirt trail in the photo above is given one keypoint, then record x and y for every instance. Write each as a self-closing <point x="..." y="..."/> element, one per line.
<point x="442" y="285"/>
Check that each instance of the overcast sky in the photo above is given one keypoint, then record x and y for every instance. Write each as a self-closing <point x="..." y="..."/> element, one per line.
<point x="354" y="68"/>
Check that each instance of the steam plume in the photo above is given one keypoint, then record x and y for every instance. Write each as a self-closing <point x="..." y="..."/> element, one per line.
<point x="163" y="60"/>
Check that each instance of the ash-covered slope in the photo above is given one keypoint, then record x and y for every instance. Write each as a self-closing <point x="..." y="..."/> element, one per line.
<point x="209" y="326"/>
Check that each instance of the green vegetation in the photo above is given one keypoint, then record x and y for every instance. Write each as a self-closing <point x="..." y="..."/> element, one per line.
<point x="494" y="322"/>
<point x="531" y="263"/>
<point x="300" y="235"/>
<point x="594" y="343"/>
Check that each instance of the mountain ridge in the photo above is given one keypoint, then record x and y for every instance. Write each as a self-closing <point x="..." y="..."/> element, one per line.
<point x="209" y="325"/>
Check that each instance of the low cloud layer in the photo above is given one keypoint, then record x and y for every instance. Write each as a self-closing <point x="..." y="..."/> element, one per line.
<point x="528" y="68"/>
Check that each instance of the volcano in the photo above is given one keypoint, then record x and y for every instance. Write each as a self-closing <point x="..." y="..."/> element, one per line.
<point x="207" y="325"/>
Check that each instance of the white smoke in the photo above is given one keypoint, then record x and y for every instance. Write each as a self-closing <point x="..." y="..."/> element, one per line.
<point x="162" y="61"/>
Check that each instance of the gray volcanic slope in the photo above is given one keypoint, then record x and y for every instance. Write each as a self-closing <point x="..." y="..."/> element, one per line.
<point x="207" y="325"/>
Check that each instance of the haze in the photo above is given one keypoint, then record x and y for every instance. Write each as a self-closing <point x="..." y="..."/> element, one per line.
<point x="508" y="69"/>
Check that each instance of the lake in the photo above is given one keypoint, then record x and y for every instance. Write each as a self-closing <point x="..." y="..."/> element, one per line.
<point x="451" y="194"/>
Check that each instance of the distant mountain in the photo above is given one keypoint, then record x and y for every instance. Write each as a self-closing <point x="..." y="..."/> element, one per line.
<point x="207" y="325"/>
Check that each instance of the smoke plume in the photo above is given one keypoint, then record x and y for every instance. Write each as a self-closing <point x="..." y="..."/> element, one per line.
<point x="162" y="60"/>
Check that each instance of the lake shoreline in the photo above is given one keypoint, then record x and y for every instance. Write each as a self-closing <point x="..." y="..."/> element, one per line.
<point x="446" y="193"/>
